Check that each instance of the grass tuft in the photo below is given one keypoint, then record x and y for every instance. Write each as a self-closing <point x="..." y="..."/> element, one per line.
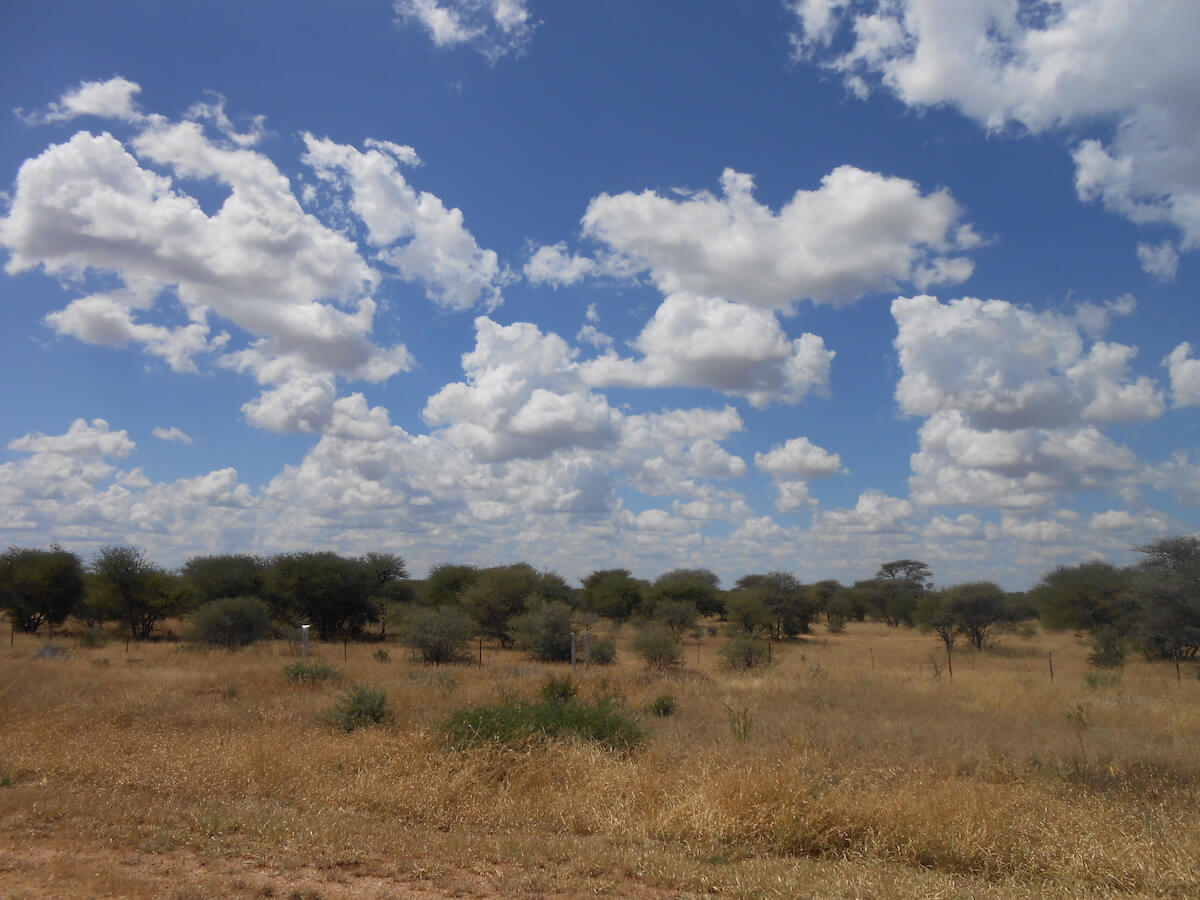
<point x="315" y="672"/>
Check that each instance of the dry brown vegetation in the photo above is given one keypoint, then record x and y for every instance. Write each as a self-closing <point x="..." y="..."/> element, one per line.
<point x="167" y="771"/>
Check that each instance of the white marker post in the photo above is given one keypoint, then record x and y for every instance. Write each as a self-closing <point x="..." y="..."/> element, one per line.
<point x="304" y="640"/>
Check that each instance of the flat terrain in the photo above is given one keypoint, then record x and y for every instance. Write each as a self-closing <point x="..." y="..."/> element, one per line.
<point x="852" y="767"/>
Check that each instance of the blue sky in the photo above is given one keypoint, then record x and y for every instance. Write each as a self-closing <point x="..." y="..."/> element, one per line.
<point x="747" y="285"/>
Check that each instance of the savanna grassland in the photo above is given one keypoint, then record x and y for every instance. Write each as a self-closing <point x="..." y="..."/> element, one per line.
<point x="854" y="766"/>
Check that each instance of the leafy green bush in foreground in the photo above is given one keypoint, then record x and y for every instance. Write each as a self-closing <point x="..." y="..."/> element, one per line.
<point x="360" y="707"/>
<point x="520" y="722"/>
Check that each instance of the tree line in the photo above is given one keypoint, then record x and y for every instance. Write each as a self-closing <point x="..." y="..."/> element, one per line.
<point x="1153" y="605"/>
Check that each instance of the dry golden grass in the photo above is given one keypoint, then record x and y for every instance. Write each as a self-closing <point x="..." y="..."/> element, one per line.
<point x="863" y="775"/>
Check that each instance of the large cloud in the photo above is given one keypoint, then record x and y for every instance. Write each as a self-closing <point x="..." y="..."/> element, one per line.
<point x="1185" y="375"/>
<point x="712" y="343"/>
<point x="94" y="211"/>
<point x="1021" y="469"/>
<point x="1060" y="64"/>
<point x="413" y="230"/>
<point x="859" y="232"/>
<point x="523" y="397"/>
<point x="1005" y="366"/>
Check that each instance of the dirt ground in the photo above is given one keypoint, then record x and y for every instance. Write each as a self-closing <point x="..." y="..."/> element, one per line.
<point x="39" y="867"/>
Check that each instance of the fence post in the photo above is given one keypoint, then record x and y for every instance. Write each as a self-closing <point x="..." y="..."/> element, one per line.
<point x="573" y="634"/>
<point x="304" y="641"/>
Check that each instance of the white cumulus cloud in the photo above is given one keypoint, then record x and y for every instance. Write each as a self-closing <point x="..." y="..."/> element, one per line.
<point x="858" y="233"/>
<point x="713" y="343"/>
<point x="1061" y="65"/>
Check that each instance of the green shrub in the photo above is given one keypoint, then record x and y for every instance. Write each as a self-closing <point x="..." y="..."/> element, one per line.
<point x="517" y="723"/>
<point x="382" y="655"/>
<point x="559" y="687"/>
<point x="604" y="651"/>
<point x="741" y="723"/>
<point x="439" y="634"/>
<point x="544" y="631"/>
<point x="662" y="706"/>
<point x="1108" y="649"/>
<point x="656" y="644"/>
<point x="360" y="707"/>
<point x="743" y="652"/>
<point x="313" y="672"/>
<point x="230" y="622"/>
<point x="1098" y="681"/>
<point x="93" y="636"/>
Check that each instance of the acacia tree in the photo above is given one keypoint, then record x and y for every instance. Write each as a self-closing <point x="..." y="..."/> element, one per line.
<point x="1167" y="587"/>
<point x="1087" y="597"/>
<point x="699" y="587"/>
<point x="39" y="586"/>
<point x="792" y="606"/>
<point x="139" y="592"/>
<point x="330" y="591"/>
<point x="613" y="593"/>
<point x="896" y="588"/>
<point x="226" y="575"/>
<point x="447" y="582"/>
<point x="499" y="595"/>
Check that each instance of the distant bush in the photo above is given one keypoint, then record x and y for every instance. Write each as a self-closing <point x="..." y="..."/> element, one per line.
<point x="1103" y="680"/>
<point x="662" y="706"/>
<point x="744" y="652"/>
<point x="517" y="723"/>
<point x="656" y="644"/>
<point x="544" y="630"/>
<point x="314" y="672"/>
<point x="559" y="687"/>
<point x="439" y="634"/>
<point x="93" y="636"/>
<point x="604" y="651"/>
<point x="230" y="622"/>
<point x="382" y="655"/>
<point x="360" y="707"/>
<point x="1108" y="649"/>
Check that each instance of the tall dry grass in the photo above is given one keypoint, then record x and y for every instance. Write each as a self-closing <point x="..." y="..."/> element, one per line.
<point x="865" y="770"/>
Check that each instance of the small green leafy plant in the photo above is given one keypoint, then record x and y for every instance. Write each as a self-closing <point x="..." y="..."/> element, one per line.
<point x="360" y="707"/>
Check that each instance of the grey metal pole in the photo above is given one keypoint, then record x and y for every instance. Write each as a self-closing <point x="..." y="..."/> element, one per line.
<point x="304" y="640"/>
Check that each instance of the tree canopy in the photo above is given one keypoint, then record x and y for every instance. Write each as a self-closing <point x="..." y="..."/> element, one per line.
<point x="39" y="586"/>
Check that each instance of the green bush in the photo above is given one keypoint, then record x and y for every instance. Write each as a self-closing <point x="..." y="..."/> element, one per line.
<point x="1108" y="649"/>
<point x="382" y="655"/>
<point x="313" y="672"/>
<point x="1099" y="681"/>
<point x="230" y="622"/>
<point x="360" y="707"/>
<point x="744" y="652"/>
<point x="656" y="644"/>
<point x="439" y="634"/>
<point x="662" y="706"/>
<point x="544" y="631"/>
<point x="604" y="651"/>
<point x="559" y="687"/>
<point x="92" y="637"/>
<point x="517" y="723"/>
